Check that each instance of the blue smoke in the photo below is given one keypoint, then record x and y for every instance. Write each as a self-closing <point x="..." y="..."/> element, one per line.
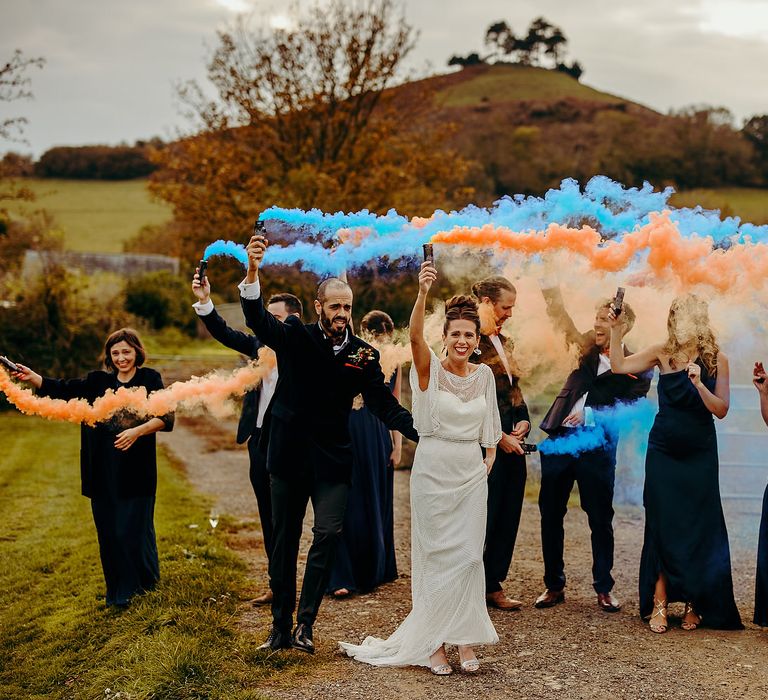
<point x="611" y="425"/>
<point x="607" y="206"/>
<point x="228" y="248"/>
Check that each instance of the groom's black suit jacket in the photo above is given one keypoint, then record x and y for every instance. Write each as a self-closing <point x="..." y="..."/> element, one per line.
<point x="604" y="389"/>
<point x="307" y="424"/>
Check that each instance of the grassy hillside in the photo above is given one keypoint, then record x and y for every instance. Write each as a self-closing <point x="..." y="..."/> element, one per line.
<point x="505" y="83"/>
<point x="96" y="216"/>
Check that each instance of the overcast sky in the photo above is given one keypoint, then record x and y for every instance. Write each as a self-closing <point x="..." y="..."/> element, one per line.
<point x="111" y="65"/>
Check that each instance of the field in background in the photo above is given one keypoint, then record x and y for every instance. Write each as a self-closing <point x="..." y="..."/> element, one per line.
<point x="750" y="204"/>
<point x="95" y="215"/>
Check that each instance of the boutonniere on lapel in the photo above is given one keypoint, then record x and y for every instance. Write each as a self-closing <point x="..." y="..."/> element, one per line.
<point x="360" y="358"/>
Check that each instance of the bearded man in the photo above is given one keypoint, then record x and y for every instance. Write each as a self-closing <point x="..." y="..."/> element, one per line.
<point x="322" y="367"/>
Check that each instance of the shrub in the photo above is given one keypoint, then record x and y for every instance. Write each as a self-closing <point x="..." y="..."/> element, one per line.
<point x="162" y="299"/>
<point x="57" y="327"/>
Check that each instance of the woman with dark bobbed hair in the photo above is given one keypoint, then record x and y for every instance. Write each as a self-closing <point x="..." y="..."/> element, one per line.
<point x="118" y="465"/>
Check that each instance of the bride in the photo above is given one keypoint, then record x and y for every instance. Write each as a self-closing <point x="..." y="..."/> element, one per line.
<point x="455" y="413"/>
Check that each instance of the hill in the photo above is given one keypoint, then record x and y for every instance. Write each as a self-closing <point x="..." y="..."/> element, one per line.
<point x="528" y="128"/>
<point x="504" y="83"/>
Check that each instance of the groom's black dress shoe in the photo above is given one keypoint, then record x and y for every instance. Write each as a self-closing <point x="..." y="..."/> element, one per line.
<point x="302" y="639"/>
<point x="608" y="602"/>
<point x="277" y="639"/>
<point x="549" y="599"/>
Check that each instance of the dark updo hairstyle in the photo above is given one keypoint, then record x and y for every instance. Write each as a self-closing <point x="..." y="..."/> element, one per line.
<point x="129" y="336"/>
<point x="461" y="308"/>
<point x="492" y="287"/>
<point x="377" y="323"/>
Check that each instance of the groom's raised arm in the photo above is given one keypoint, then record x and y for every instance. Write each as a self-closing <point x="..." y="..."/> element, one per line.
<point x="264" y="325"/>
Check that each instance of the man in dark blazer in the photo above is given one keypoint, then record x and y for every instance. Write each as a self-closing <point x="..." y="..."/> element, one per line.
<point x="506" y="482"/>
<point x="590" y="386"/>
<point x="322" y="367"/>
<point x="256" y="401"/>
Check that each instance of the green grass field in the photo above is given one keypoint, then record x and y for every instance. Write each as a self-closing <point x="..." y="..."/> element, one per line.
<point x="60" y="641"/>
<point x="511" y="83"/>
<point x="95" y="215"/>
<point x="750" y="204"/>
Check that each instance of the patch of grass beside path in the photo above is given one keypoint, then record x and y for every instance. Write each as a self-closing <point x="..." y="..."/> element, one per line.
<point x="60" y="641"/>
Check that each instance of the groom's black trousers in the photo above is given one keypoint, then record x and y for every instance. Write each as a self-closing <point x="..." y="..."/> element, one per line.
<point x="594" y="471"/>
<point x="289" y="505"/>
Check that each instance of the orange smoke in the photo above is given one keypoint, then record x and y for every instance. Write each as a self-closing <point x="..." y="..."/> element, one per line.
<point x="688" y="260"/>
<point x="210" y="391"/>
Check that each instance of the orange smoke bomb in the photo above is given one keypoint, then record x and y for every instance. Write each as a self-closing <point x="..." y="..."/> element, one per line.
<point x="210" y="391"/>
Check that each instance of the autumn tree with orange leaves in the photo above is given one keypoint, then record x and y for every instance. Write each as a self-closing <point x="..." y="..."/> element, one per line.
<point x="305" y="117"/>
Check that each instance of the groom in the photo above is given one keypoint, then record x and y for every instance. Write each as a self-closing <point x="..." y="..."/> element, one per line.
<point x="322" y="367"/>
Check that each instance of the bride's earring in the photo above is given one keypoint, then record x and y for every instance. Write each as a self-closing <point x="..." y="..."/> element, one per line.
<point x="477" y="351"/>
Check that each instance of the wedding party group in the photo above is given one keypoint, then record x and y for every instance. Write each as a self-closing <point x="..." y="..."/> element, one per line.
<point x="310" y="439"/>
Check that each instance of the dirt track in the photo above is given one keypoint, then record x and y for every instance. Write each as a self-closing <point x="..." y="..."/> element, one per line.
<point x="572" y="651"/>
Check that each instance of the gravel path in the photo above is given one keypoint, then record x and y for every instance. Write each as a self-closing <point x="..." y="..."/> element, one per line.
<point x="572" y="651"/>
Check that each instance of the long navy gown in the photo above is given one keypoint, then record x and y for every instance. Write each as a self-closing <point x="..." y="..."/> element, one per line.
<point x="761" y="580"/>
<point x="685" y="534"/>
<point x="365" y="557"/>
<point x="121" y="484"/>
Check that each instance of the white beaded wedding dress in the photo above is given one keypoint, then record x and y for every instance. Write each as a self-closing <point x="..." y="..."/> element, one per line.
<point x="454" y="417"/>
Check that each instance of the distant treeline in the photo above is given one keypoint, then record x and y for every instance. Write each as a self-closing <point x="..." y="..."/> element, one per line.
<point x="86" y="162"/>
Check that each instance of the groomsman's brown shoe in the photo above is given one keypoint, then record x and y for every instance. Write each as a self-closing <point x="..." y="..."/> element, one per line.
<point x="549" y="599"/>
<point x="500" y="600"/>
<point x="265" y="599"/>
<point x="608" y="602"/>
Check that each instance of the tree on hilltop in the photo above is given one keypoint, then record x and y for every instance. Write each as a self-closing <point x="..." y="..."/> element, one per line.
<point x="541" y="40"/>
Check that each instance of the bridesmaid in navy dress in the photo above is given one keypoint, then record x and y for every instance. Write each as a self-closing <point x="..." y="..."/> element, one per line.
<point x="366" y="552"/>
<point x="686" y="555"/>
<point x="118" y="465"/>
<point x="760" y="380"/>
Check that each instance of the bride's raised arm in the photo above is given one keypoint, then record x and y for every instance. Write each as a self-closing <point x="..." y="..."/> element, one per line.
<point x="419" y="347"/>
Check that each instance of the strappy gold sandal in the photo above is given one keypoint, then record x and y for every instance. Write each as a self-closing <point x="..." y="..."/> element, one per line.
<point x="690" y="626"/>
<point x="660" y="611"/>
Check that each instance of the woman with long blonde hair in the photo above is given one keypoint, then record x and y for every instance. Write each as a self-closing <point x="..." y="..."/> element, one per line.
<point x="686" y="556"/>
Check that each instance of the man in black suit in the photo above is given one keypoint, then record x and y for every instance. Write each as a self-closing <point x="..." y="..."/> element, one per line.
<point x="256" y="401"/>
<point x="590" y="386"/>
<point x="322" y="367"/>
<point x="506" y="482"/>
